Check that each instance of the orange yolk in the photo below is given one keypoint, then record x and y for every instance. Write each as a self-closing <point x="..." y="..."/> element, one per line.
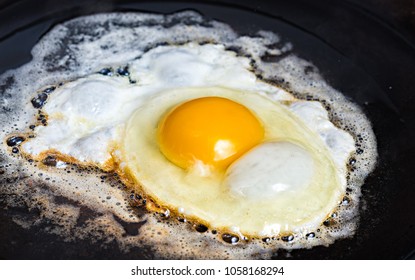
<point x="214" y="131"/>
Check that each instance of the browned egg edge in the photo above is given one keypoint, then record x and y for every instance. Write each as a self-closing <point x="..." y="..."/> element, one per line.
<point x="152" y="203"/>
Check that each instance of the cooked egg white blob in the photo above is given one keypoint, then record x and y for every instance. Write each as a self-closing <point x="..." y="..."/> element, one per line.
<point x="214" y="199"/>
<point x="83" y="119"/>
<point x="270" y="169"/>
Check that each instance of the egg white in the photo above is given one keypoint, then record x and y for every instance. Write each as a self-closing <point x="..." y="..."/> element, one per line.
<point x="97" y="120"/>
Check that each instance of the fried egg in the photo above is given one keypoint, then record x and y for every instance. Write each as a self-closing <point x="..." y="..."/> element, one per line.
<point x="173" y="129"/>
<point x="231" y="154"/>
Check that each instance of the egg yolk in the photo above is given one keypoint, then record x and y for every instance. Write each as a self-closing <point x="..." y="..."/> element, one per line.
<point x="214" y="131"/>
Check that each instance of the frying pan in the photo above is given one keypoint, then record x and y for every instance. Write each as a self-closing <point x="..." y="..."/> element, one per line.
<point x="365" y="49"/>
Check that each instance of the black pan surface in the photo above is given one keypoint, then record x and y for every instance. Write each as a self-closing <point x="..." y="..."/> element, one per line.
<point x="366" y="51"/>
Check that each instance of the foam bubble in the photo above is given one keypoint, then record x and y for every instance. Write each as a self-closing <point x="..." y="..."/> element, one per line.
<point x="81" y="203"/>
